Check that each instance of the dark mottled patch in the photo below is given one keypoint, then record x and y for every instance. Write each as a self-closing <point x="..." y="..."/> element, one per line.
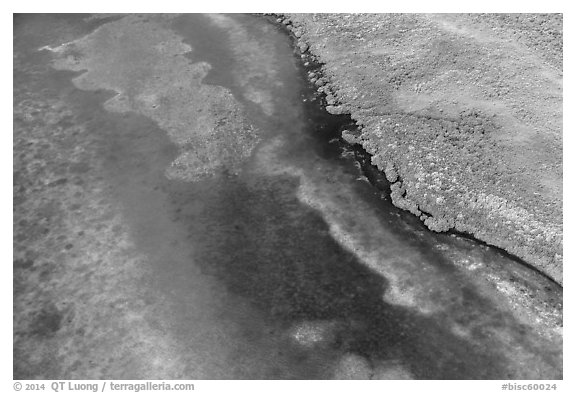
<point x="79" y="167"/>
<point x="23" y="263"/>
<point x="59" y="182"/>
<point x="47" y="322"/>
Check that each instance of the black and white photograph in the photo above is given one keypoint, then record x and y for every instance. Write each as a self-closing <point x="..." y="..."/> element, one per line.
<point x="287" y="196"/>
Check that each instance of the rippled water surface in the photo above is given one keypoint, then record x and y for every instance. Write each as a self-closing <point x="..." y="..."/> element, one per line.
<point x="227" y="230"/>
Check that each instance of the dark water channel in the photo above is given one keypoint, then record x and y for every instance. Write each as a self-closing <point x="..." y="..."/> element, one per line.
<point x="285" y="262"/>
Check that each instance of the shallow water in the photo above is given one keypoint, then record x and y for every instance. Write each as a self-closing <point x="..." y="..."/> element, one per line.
<point x="276" y="259"/>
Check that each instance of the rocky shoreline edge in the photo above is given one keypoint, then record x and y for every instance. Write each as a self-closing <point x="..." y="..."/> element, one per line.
<point x="441" y="215"/>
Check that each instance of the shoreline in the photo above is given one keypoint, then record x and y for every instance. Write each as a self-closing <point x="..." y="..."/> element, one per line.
<point x="238" y="234"/>
<point x="422" y="154"/>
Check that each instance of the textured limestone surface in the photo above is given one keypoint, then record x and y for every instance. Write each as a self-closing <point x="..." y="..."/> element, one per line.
<point x="462" y="112"/>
